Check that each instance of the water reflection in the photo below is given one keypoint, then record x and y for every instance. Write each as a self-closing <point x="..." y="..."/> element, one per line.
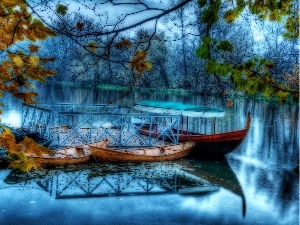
<point x="184" y="177"/>
<point x="263" y="164"/>
<point x="273" y="189"/>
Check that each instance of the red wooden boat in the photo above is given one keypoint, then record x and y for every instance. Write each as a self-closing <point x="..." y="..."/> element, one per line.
<point x="212" y="145"/>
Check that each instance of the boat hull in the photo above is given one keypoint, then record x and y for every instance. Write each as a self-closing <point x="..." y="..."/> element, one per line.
<point x="215" y="144"/>
<point x="151" y="154"/>
<point x="74" y="155"/>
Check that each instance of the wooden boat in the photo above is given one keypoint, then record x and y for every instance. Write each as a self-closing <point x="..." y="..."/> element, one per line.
<point x="66" y="156"/>
<point x="164" y="153"/>
<point x="210" y="145"/>
<point x="217" y="144"/>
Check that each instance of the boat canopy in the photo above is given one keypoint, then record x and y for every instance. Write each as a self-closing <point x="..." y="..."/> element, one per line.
<point x="178" y="108"/>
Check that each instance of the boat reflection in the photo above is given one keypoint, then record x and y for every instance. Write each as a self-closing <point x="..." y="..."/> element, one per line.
<point x="185" y="177"/>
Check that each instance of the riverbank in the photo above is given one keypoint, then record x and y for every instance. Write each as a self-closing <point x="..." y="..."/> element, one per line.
<point x="178" y="92"/>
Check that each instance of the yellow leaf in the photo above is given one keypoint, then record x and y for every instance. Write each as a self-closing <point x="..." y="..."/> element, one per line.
<point x="17" y="60"/>
<point x="141" y="55"/>
<point x="30" y="146"/>
<point x="24" y="165"/>
<point x="148" y="65"/>
<point x="7" y="134"/>
<point x="34" y="60"/>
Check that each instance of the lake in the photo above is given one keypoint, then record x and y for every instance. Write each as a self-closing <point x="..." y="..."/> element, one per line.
<point x="255" y="184"/>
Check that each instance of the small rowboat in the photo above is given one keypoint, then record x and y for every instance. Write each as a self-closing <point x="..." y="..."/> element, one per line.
<point x="66" y="156"/>
<point x="164" y="153"/>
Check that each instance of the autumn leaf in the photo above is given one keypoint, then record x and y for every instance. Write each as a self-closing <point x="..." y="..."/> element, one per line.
<point x="92" y="46"/>
<point x="34" y="60"/>
<point x="8" y="141"/>
<point x="33" y="48"/>
<point x="79" y="25"/>
<point x="141" y="55"/>
<point x="7" y="134"/>
<point x="139" y="62"/>
<point x="61" y="9"/>
<point x="28" y="97"/>
<point x="46" y="60"/>
<point x="229" y="103"/>
<point x="20" y="162"/>
<point x="30" y="146"/>
<point x="13" y="3"/>
<point x="147" y="65"/>
<point x="123" y="43"/>
<point x="17" y="60"/>
<point x="16" y="151"/>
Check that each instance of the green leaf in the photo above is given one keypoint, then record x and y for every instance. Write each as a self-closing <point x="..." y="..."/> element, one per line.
<point x="268" y="92"/>
<point x="203" y="50"/>
<point x="210" y="16"/>
<point x="210" y="67"/>
<point x="231" y="15"/>
<point x="202" y="3"/>
<point x="292" y="28"/>
<point x="61" y="9"/>
<point x="225" y="46"/>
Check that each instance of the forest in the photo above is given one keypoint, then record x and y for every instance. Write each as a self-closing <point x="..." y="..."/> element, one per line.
<point x="208" y="47"/>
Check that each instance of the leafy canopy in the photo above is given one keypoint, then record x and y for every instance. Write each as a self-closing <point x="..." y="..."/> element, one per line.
<point x="20" y="68"/>
<point x="253" y="75"/>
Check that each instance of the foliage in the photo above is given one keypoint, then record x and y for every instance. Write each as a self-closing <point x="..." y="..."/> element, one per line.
<point x="62" y="9"/>
<point x="292" y="27"/>
<point x="139" y="62"/>
<point x="16" y="151"/>
<point x="20" y="69"/>
<point x="95" y="47"/>
<point x="30" y="146"/>
<point x="252" y="75"/>
<point x="123" y="43"/>
<point x="20" y="162"/>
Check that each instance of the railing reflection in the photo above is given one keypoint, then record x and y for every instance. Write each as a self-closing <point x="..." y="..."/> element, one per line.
<point x="189" y="177"/>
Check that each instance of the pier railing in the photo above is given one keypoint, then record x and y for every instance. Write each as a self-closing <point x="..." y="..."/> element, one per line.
<point x="70" y="125"/>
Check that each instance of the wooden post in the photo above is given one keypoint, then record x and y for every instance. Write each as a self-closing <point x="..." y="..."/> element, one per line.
<point x="187" y="125"/>
<point x="215" y="119"/>
<point x="181" y="124"/>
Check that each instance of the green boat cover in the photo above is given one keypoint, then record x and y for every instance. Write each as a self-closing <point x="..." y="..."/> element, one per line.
<point x="178" y="108"/>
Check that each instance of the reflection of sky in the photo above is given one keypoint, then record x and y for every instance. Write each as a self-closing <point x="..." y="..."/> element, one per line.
<point x="12" y="117"/>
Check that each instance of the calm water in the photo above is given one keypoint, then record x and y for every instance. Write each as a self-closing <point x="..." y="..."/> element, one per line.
<point x="255" y="184"/>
